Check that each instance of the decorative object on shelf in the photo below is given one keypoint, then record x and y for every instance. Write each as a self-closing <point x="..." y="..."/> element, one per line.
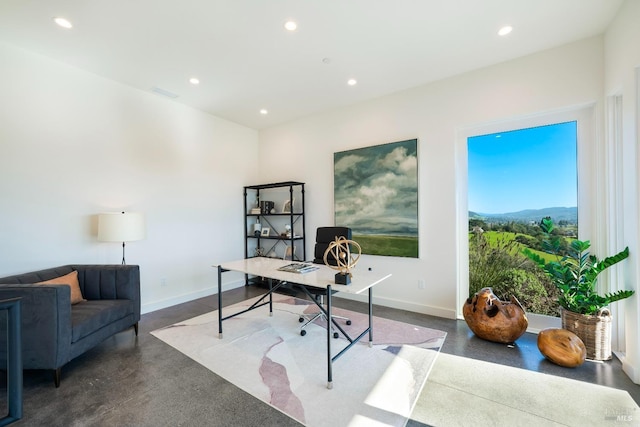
<point x="340" y="250"/>
<point x="257" y="228"/>
<point x="265" y="231"/>
<point x="562" y="347"/>
<point x="287" y="207"/>
<point x="289" y="253"/>
<point x="266" y="207"/>
<point x="495" y="320"/>
<point x="258" y="252"/>
<point x="121" y="227"/>
<point x="574" y="273"/>
<point x="255" y="211"/>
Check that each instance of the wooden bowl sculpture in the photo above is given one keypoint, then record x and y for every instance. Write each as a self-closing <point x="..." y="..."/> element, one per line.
<point x="562" y="347"/>
<point x="495" y="320"/>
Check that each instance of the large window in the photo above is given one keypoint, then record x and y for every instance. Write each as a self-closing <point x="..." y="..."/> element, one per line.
<point x="515" y="179"/>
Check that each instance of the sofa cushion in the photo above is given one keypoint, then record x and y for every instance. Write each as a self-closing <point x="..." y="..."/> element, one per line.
<point x="71" y="280"/>
<point x="89" y="316"/>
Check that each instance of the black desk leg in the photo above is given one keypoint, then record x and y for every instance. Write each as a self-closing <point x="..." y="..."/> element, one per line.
<point x="329" y="362"/>
<point x="220" y="302"/>
<point x="371" y="316"/>
<point x="270" y="297"/>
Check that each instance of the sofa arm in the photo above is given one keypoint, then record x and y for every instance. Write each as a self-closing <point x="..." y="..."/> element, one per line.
<point x="110" y="282"/>
<point x="46" y="324"/>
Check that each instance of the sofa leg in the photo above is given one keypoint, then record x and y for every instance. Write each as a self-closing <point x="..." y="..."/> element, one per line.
<point x="56" y="376"/>
<point x="135" y="328"/>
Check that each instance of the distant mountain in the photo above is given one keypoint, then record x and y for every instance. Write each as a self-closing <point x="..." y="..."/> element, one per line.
<point x="529" y="215"/>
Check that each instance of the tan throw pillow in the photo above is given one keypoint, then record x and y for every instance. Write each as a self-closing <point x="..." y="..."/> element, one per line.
<point x="70" y="279"/>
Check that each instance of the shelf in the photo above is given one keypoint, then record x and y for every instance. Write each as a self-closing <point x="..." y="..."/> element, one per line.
<point x="277" y="214"/>
<point x="275" y="237"/>
<point x="274" y="185"/>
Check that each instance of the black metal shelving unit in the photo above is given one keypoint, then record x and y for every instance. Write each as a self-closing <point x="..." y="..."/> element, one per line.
<point x="276" y="221"/>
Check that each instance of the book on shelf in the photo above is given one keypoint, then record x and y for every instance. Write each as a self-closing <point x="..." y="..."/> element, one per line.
<point x="298" y="267"/>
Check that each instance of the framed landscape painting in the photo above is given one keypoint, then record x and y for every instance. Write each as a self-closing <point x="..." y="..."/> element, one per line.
<point x="376" y="195"/>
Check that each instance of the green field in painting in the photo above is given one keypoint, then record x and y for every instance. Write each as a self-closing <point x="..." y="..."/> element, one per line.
<point x="402" y="246"/>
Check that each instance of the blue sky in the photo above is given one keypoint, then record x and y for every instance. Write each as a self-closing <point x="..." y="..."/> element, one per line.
<point x="524" y="169"/>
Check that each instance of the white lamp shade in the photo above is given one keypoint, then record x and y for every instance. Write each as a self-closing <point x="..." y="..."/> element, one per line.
<point x="121" y="227"/>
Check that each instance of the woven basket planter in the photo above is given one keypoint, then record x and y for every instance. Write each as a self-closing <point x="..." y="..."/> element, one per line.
<point x="593" y="330"/>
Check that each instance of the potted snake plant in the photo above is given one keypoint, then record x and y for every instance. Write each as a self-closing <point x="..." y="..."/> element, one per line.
<point x="583" y="310"/>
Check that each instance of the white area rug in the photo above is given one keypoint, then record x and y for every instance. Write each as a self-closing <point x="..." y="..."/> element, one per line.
<point x="267" y="357"/>
<point x="468" y="392"/>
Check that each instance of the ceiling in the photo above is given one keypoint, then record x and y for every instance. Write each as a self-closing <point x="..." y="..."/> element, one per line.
<point x="247" y="61"/>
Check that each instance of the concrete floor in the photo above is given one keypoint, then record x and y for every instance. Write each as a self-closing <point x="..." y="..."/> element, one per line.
<point x="129" y="381"/>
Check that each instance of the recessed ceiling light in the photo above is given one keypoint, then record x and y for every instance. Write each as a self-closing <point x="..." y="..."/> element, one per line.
<point x="352" y="82"/>
<point x="290" y="25"/>
<point x="505" y="30"/>
<point x="64" y="23"/>
<point x="194" y="81"/>
<point x="263" y="111"/>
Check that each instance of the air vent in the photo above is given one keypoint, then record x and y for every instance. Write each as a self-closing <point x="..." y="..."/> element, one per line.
<point x="164" y="92"/>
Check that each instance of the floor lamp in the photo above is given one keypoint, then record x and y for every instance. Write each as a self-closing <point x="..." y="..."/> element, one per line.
<point x="121" y="227"/>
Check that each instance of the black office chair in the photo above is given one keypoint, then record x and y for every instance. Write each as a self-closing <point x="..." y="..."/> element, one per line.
<point x="324" y="236"/>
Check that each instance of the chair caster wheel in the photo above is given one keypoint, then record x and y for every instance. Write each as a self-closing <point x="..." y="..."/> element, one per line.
<point x="303" y="332"/>
<point x="335" y="335"/>
<point x="300" y="319"/>
<point x="348" y="322"/>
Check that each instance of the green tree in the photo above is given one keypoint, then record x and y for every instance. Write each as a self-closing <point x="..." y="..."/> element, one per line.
<point x="475" y="222"/>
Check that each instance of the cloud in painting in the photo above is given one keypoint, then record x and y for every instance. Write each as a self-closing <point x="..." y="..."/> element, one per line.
<point x="376" y="189"/>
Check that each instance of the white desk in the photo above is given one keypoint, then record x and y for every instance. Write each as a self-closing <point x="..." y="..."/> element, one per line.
<point x="323" y="277"/>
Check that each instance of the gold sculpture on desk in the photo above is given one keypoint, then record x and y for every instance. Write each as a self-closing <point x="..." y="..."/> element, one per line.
<point x="340" y="249"/>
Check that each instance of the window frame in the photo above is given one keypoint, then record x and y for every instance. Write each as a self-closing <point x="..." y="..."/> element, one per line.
<point x="588" y="179"/>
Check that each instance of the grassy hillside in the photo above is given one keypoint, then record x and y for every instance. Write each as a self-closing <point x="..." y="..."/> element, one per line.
<point x="493" y="237"/>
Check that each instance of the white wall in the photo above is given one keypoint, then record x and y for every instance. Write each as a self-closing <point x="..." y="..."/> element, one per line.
<point x="73" y="145"/>
<point x="622" y="75"/>
<point x="303" y="150"/>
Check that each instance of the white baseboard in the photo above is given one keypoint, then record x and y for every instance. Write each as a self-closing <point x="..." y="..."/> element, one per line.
<point x="630" y="370"/>
<point x="403" y="305"/>
<point x="179" y="299"/>
<point x="539" y="322"/>
<point x="387" y="302"/>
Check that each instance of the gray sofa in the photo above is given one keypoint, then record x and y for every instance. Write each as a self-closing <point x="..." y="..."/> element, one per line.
<point x="54" y="331"/>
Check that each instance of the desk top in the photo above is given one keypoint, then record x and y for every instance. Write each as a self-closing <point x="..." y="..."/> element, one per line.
<point x="321" y="278"/>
